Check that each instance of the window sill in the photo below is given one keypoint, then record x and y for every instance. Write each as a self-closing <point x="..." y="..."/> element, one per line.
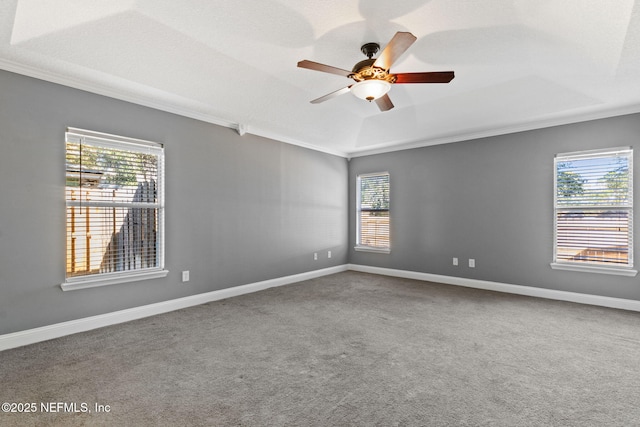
<point x="111" y="279"/>
<point x="629" y="272"/>
<point x="372" y="249"/>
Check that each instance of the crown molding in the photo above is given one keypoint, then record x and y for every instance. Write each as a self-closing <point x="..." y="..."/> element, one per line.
<point x="120" y="94"/>
<point x="505" y="130"/>
<point x="175" y="108"/>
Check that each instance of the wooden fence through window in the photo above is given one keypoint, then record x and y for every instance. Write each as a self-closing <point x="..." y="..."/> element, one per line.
<point x="110" y="239"/>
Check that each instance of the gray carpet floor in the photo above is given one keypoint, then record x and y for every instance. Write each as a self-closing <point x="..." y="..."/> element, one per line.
<point x="350" y="349"/>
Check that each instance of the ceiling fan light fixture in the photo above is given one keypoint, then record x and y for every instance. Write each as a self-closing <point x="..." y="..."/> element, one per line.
<point x="370" y="90"/>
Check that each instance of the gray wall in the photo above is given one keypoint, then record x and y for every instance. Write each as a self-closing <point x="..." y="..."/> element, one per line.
<point x="490" y="199"/>
<point x="239" y="209"/>
<point x="246" y="209"/>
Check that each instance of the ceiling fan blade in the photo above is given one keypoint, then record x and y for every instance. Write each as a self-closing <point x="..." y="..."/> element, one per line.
<point x="396" y="47"/>
<point x="429" y="77"/>
<point x="384" y="103"/>
<point x="331" y="95"/>
<point x="324" y="68"/>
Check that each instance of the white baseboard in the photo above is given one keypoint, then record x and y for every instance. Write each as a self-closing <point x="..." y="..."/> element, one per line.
<point x="31" y="336"/>
<point x="620" y="303"/>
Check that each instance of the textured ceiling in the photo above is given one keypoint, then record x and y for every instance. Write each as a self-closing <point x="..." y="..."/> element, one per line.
<point x="519" y="64"/>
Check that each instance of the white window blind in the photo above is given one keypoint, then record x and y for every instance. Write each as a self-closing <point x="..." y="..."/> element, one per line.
<point x="594" y="208"/>
<point x="373" y="211"/>
<point x="114" y="205"/>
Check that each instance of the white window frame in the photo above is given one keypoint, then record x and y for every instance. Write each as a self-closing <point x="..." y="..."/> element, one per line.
<point x="359" y="246"/>
<point x="621" y="270"/>
<point x="131" y="144"/>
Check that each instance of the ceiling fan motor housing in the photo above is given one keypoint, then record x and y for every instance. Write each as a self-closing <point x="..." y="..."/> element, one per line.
<point x="365" y="70"/>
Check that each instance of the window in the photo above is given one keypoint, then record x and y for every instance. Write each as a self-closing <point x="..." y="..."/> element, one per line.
<point x="115" y="212"/>
<point x="594" y="211"/>
<point x="373" y="212"/>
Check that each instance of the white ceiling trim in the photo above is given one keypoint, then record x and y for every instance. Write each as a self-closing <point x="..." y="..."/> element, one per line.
<point x="242" y="128"/>
<point x="541" y="124"/>
<point x="112" y="92"/>
<point x="168" y="107"/>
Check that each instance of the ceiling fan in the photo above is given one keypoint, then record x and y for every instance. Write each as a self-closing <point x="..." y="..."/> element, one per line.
<point x="372" y="76"/>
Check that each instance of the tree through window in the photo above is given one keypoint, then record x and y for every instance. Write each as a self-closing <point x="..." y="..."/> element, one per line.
<point x="594" y="208"/>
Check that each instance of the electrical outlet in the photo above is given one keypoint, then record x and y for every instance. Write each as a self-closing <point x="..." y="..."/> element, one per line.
<point x="455" y="261"/>
<point x="328" y="254"/>
<point x="472" y="263"/>
<point x="315" y="256"/>
<point x="185" y="276"/>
